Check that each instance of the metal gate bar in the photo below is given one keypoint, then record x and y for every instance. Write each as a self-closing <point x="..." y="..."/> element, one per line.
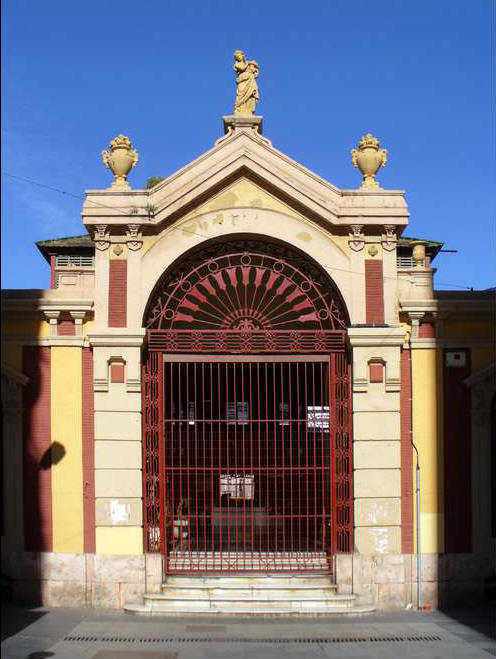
<point x="247" y="463"/>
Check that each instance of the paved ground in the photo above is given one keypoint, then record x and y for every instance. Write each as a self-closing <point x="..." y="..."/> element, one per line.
<point x="84" y="634"/>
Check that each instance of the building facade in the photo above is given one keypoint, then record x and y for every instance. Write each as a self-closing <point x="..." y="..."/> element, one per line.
<point x="239" y="370"/>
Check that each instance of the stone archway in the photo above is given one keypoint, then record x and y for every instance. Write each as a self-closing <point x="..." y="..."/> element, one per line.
<point x="214" y="320"/>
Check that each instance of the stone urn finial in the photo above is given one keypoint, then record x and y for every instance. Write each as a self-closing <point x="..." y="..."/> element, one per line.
<point x="120" y="159"/>
<point x="418" y="252"/>
<point x="369" y="158"/>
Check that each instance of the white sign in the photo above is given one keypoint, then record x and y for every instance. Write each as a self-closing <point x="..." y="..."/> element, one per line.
<point x="236" y="486"/>
<point x="119" y="512"/>
<point x="318" y="416"/>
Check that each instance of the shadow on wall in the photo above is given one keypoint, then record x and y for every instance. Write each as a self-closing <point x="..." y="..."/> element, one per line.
<point x="466" y="573"/>
<point x="39" y="455"/>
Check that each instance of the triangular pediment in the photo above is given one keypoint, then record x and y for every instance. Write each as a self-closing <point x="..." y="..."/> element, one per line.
<point x="245" y="169"/>
<point x="243" y="193"/>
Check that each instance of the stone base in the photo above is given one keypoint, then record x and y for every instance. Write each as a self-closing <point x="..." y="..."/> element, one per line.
<point x="386" y="581"/>
<point x="234" y="121"/>
<point x="82" y="580"/>
<point x="390" y="580"/>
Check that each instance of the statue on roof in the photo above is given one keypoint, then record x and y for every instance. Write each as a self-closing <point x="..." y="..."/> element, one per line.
<point x="247" y="94"/>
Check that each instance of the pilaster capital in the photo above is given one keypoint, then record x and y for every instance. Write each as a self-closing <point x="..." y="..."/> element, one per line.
<point x="53" y="318"/>
<point x="389" y="238"/>
<point x="357" y="239"/>
<point x="52" y="315"/>
<point x="78" y="316"/>
<point x="415" y="318"/>
<point x="101" y="236"/>
<point x="134" y="237"/>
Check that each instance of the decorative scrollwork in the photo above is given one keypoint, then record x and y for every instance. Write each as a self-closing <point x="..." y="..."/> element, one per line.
<point x="247" y="289"/>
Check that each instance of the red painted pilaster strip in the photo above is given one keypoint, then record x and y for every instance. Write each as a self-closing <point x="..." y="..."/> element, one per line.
<point x="374" y="292"/>
<point x="37" y="484"/>
<point x="427" y="331"/>
<point x="52" y="271"/>
<point x="457" y="456"/>
<point x="66" y="326"/>
<point x="88" y="451"/>
<point x="117" y="293"/>
<point x="406" y="454"/>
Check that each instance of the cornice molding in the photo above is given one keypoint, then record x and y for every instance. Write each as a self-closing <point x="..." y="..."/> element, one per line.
<point x="116" y="338"/>
<point x="376" y="336"/>
<point x="246" y="151"/>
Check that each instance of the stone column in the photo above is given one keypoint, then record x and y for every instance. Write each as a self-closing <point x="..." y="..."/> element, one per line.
<point x="118" y="479"/>
<point x="376" y="438"/>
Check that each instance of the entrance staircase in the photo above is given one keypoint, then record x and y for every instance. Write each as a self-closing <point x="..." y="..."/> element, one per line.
<point x="271" y="594"/>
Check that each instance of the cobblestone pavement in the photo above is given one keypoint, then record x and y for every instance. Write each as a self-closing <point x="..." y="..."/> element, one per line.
<point x="86" y="634"/>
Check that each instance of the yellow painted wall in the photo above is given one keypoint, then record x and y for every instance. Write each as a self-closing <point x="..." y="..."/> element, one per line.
<point x="67" y="474"/>
<point x="25" y="327"/>
<point x="12" y="355"/>
<point x="119" y="540"/>
<point x="426" y="435"/>
<point x="88" y="326"/>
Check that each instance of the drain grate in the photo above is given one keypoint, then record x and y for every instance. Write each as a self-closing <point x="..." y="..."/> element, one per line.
<point x="429" y="638"/>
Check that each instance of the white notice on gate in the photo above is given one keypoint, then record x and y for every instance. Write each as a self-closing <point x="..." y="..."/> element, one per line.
<point x="236" y="486"/>
<point x="318" y="416"/>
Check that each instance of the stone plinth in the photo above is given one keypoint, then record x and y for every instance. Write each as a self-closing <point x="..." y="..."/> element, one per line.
<point x="234" y="121"/>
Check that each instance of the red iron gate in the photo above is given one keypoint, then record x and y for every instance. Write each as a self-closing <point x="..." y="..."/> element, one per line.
<point x="247" y="455"/>
<point x="247" y="458"/>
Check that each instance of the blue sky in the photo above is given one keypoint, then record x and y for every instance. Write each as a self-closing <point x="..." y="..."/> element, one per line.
<point x="418" y="74"/>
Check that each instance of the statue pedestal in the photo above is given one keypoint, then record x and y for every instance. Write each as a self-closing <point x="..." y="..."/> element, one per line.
<point x="234" y="121"/>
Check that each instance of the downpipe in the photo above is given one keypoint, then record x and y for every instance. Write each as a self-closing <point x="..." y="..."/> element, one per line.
<point x="417" y="490"/>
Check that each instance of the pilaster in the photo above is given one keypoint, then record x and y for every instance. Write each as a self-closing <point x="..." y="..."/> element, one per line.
<point x="377" y="439"/>
<point x="118" y="469"/>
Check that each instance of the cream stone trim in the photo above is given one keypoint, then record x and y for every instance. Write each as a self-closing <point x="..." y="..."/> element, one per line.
<point x="423" y="343"/>
<point x="44" y="304"/>
<point x="116" y="337"/>
<point x="444" y="306"/>
<point x="376" y="336"/>
<point x="376" y="343"/>
<point x="247" y="151"/>
<point x="47" y="341"/>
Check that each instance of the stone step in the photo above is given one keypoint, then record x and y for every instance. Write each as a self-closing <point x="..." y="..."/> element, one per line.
<point x="246" y="595"/>
<point x="147" y="610"/>
<point x="259" y="592"/>
<point x="268" y="580"/>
